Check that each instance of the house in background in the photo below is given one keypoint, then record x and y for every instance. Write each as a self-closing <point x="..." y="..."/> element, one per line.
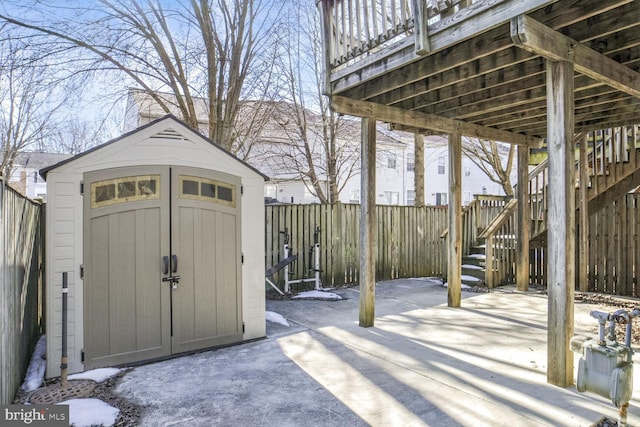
<point x="25" y="176"/>
<point x="275" y="154"/>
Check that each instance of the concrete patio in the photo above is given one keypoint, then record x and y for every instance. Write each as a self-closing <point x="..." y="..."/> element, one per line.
<point x="423" y="364"/>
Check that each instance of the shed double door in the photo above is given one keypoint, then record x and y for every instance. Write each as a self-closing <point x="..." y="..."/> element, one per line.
<point x="161" y="262"/>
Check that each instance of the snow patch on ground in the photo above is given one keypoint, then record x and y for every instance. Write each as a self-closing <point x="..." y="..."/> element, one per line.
<point x="35" y="372"/>
<point x="97" y="375"/>
<point x="469" y="278"/>
<point x="90" y="412"/>
<point x="318" y="295"/>
<point x="434" y="280"/>
<point x="462" y="286"/>
<point x="274" y="317"/>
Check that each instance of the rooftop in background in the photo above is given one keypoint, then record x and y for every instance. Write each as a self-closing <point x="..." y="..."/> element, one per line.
<point x="37" y="161"/>
<point x="483" y="62"/>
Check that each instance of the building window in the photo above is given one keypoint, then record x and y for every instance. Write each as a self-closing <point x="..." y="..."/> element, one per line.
<point x="35" y="177"/>
<point x="467" y="197"/>
<point x="354" y="196"/>
<point x="391" y="161"/>
<point x="441" y="198"/>
<point x="392" y="197"/>
<point x="270" y="190"/>
<point x="411" y="197"/>
<point x="440" y="165"/>
<point x="411" y="166"/>
<point x="467" y="171"/>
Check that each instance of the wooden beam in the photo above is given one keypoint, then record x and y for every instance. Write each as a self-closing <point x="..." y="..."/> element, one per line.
<point x="482" y="71"/>
<point x="454" y="258"/>
<point x="418" y="168"/>
<point x="420" y="120"/>
<point x="560" y="222"/>
<point x="368" y="223"/>
<point x="541" y="40"/>
<point x="524" y="221"/>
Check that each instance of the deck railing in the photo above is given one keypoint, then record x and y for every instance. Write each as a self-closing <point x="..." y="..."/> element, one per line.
<point x="500" y="246"/>
<point x="352" y="28"/>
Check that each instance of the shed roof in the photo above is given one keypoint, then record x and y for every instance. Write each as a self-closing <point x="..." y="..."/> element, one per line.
<point x="171" y="123"/>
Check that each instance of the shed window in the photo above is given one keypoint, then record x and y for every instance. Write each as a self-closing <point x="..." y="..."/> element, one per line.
<point x="126" y="189"/>
<point x="120" y="190"/>
<point x="190" y="187"/>
<point x="225" y="193"/>
<point x="104" y="193"/>
<point x="209" y="190"/>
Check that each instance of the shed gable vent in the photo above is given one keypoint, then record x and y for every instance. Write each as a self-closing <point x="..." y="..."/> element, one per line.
<point x="168" y="134"/>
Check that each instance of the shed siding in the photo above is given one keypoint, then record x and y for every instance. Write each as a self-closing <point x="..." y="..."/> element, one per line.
<point x="65" y="236"/>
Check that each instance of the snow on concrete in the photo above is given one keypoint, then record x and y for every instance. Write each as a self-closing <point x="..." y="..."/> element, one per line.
<point x="91" y="412"/>
<point x="469" y="278"/>
<point x="472" y="267"/>
<point x="318" y="295"/>
<point x="97" y="375"/>
<point x="274" y="317"/>
<point x="429" y="280"/>
<point x="462" y="285"/>
<point x="35" y="372"/>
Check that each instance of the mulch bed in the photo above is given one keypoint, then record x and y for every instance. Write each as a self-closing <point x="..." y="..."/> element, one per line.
<point x="129" y="413"/>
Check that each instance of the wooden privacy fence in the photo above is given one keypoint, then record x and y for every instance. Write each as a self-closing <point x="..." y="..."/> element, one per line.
<point x="614" y="247"/>
<point x="22" y="293"/>
<point x="409" y="243"/>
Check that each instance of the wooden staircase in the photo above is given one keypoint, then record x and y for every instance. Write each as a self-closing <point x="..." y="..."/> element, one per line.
<point x="612" y="170"/>
<point x="612" y="159"/>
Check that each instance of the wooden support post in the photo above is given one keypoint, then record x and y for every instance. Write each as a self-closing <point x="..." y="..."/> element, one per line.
<point x="418" y="168"/>
<point x="524" y="221"/>
<point x="561" y="222"/>
<point x="421" y="24"/>
<point x="327" y="42"/>
<point x="583" y="255"/>
<point x="368" y="223"/>
<point x="454" y="261"/>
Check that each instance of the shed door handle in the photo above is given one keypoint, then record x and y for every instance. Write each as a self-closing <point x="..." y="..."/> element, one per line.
<point x="174" y="263"/>
<point x="165" y="265"/>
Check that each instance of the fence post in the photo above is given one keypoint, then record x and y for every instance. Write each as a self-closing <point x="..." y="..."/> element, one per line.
<point x="337" y="249"/>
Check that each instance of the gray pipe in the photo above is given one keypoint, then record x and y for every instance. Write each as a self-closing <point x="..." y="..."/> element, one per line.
<point x="63" y="364"/>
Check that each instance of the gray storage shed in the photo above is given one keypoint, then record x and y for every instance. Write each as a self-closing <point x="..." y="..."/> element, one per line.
<point x="161" y="232"/>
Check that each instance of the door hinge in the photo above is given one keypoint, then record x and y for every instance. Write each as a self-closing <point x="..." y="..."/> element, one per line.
<point x="81" y="187"/>
<point x="82" y="355"/>
<point x="81" y="271"/>
<point x="242" y="327"/>
<point x="241" y="190"/>
<point x="241" y="258"/>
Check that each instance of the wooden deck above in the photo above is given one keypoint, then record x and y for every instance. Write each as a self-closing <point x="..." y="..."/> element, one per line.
<point x="479" y="67"/>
